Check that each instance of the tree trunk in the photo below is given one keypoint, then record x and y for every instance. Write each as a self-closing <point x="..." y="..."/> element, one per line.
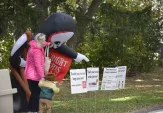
<point x="73" y="41"/>
<point x="41" y="11"/>
<point x="83" y="19"/>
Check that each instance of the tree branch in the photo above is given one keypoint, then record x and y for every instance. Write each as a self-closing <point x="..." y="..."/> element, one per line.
<point x="160" y="19"/>
<point x="92" y="8"/>
<point x="78" y="2"/>
<point x="84" y="5"/>
<point x="42" y="5"/>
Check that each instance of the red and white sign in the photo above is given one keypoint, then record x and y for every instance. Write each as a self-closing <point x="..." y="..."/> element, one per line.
<point x="60" y="65"/>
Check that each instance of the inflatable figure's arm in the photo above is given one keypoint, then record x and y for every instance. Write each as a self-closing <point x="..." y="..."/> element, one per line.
<point x="15" y="53"/>
<point x="16" y="60"/>
<point x="67" y="51"/>
<point x="71" y="53"/>
<point x="19" y="43"/>
<point x="16" y="50"/>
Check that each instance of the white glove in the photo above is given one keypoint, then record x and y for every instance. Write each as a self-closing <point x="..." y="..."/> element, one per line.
<point x="81" y="57"/>
<point x="22" y="63"/>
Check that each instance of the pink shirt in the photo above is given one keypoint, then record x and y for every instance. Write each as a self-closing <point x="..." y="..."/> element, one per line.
<point x="35" y="62"/>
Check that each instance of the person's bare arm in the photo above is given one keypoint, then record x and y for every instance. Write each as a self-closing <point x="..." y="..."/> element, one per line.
<point x="25" y="81"/>
<point x="21" y="81"/>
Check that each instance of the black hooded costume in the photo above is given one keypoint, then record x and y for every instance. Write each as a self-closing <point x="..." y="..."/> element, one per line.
<point x="61" y="24"/>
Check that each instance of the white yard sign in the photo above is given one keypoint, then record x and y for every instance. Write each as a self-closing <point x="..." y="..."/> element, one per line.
<point x="92" y="79"/>
<point x="78" y="81"/>
<point x="121" y="76"/>
<point x="109" y="81"/>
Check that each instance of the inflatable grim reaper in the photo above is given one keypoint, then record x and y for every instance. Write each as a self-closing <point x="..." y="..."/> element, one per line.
<point x="58" y="28"/>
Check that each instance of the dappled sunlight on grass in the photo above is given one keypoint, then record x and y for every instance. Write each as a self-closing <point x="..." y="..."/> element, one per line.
<point x="159" y="91"/>
<point x="108" y="105"/>
<point x="140" y="92"/>
<point x="57" y="103"/>
<point x="147" y="86"/>
<point x="123" y="99"/>
<point x="139" y="80"/>
<point x="156" y="79"/>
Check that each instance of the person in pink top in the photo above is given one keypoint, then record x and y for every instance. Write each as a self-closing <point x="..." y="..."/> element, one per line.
<point x="34" y="70"/>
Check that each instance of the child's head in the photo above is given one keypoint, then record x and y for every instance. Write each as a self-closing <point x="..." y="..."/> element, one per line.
<point x="50" y="77"/>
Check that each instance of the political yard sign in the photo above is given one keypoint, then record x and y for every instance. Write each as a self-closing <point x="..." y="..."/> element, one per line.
<point x="78" y="81"/>
<point x="92" y="79"/>
<point x="109" y="80"/>
<point x="121" y="76"/>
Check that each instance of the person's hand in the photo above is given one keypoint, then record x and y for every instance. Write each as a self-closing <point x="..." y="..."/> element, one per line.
<point x="49" y="43"/>
<point x="28" y="96"/>
<point x="42" y="78"/>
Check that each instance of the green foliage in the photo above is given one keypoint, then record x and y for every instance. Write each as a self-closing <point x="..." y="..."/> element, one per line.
<point x="120" y="37"/>
<point x="6" y="46"/>
<point x="119" y="33"/>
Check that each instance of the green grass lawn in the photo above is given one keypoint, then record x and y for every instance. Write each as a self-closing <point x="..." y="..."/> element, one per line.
<point x="141" y="91"/>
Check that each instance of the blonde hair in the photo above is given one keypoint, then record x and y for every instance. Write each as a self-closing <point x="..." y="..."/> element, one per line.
<point x="40" y="37"/>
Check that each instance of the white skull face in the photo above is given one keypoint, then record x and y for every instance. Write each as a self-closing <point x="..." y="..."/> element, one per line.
<point x="58" y="39"/>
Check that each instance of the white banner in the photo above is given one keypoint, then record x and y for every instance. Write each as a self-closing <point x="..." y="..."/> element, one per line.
<point x="109" y="81"/>
<point x="92" y="79"/>
<point x="78" y="81"/>
<point x="121" y="76"/>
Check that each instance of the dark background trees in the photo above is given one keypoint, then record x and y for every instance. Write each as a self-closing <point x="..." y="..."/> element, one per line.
<point x="109" y="32"/>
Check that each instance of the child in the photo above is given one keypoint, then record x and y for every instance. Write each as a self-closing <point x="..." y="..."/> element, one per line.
<point x="34" y="70"/>
<point x="48" y="88"/>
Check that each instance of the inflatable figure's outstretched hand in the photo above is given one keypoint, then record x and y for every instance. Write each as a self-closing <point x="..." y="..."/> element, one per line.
<point x="81" y="57"/>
